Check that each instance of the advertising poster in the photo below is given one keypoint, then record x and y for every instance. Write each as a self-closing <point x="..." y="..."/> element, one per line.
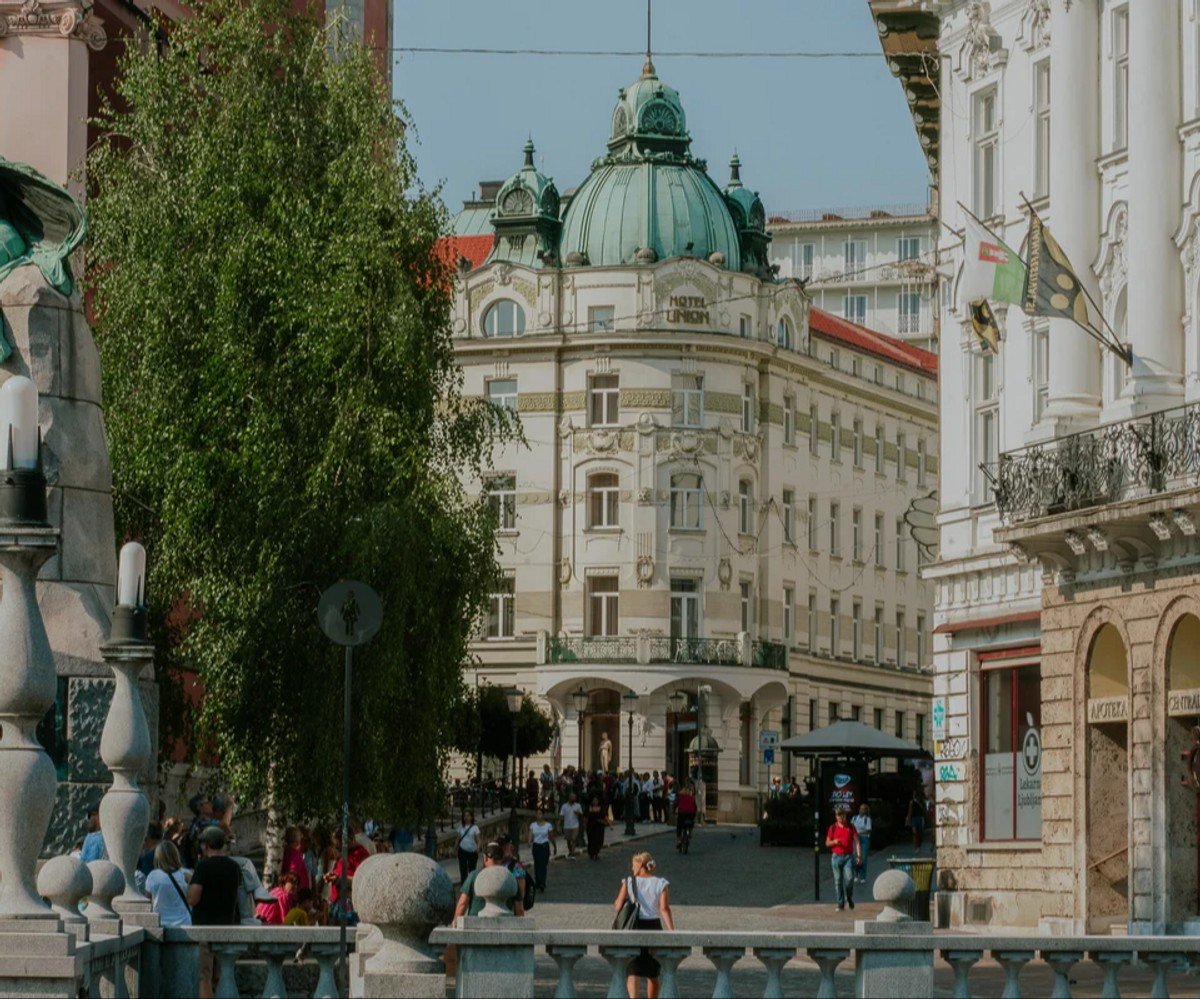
<point x="843" y="784"/>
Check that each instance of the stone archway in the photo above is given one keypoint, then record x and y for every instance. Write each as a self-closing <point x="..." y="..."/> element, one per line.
<point x="1181" y="793"/>
<point x="1107" y="781"/>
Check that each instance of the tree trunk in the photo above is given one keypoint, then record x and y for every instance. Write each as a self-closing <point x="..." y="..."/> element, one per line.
<point x="273" y="835"/>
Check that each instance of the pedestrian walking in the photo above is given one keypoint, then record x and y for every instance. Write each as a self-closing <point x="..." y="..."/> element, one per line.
<point x="167" y="886"/>
<point x="468" y="845"/>
<point x="652" y="896"/>
<point x="213" y="897"/>
<point x="597" y="821"/>
<point x="915" y="819"/>
<point x="541" y="839"/>
<point x="569" y="818"/>
<point x="842" y="839"/>
<point x="862" y="826"/>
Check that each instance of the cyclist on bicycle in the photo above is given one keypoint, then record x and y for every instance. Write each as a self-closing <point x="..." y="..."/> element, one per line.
<point x="685" y="816"/>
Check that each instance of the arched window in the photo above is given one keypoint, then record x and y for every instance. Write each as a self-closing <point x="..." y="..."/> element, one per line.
<point x="783" y="333"/>
<point x="1108" y="665"/>
<point x="1183" y="655"/>
<point x="504" y="318"/>
<point x="745" y="507"/>
<point x="603" y="499"/>
<point x="686" y="490"/>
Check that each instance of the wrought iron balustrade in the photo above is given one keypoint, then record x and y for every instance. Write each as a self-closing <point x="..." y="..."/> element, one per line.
<point x="703" y="651"/>
<point x="769" y="655"/>
<point x="596" y="649"/>
<point x="1126" y="460"/>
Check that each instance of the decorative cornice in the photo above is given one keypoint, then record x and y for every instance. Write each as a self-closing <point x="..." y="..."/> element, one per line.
<point x="64" y="18"/>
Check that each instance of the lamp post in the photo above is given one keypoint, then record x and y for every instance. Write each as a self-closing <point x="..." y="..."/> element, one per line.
<point x="676" y="702"/>
<point x="580" y="697"/>
<point x="514" y="696"/>
<point x="631" y="799"/>
<point x="479" y="746"/>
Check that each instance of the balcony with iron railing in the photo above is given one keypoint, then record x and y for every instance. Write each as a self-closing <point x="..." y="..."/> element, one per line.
<point x="740" y="651"/>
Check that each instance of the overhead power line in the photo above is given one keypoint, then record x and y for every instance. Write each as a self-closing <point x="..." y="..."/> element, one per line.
<point x="443" y="50"/>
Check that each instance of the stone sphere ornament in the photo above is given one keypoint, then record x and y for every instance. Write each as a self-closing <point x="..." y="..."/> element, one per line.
<point x="496" y="885"/>
<point x="107" y="883"/>
<point x="892" y="887"/>
<point x="64" y="881"/>
<point x="403" y="890"/>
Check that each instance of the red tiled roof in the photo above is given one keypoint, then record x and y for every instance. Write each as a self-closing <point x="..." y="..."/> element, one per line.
<point x="474" y="248"/>
<point x="887" y="347"/>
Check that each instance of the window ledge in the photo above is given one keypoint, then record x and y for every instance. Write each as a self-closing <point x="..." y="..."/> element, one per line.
<point x="602" y="530"/>
<point x="508" y="532"/>
<point x="686" y="530"/>
<point x="1006" y="846"/>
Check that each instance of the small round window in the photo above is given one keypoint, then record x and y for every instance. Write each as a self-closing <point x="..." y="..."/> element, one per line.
<point x="504" y="318"/>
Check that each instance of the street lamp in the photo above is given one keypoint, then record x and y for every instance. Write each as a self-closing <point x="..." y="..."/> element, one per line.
<point x="677" y="701"/>
<point x="631" y="800"/>
<point x="580" y="697"/>
<point x="514" y="695"/>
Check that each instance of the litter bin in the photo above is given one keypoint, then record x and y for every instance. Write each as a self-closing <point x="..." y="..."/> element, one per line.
<point x="920" y="869"/>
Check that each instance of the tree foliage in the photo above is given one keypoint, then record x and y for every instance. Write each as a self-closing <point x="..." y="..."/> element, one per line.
<point x="484" y="724"/>
<point x="282" y="402"/>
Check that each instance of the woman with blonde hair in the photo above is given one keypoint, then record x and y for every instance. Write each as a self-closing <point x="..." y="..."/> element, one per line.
<point x="167" y="886"/>
<point x="651" y="895"/>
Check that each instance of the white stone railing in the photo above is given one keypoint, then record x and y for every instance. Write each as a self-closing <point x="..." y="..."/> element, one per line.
<point x="890" y="959"/>
<point x="109" y="965"/>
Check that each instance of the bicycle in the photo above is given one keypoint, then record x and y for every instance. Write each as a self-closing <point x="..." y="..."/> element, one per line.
<point x="684" y="839"/>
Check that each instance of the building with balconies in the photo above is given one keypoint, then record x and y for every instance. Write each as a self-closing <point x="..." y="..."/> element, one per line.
<point x="1067" y="637"/>
<point x="707" y="523"/>
<point x="874" y="266"/>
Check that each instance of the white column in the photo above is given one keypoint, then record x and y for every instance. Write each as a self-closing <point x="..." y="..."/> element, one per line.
<point x="1155" y="297"/>
<point x="1074" y="205"/>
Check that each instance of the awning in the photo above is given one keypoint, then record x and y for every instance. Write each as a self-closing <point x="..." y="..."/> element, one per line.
<point x="851" y="738"/>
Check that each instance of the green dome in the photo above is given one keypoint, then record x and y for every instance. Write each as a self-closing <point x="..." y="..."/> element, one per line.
<point x="525" y="219"/>
<point x="648" y="199"/>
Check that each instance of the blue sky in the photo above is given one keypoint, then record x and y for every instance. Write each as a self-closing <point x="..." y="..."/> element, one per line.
<point x="810" y="133"/>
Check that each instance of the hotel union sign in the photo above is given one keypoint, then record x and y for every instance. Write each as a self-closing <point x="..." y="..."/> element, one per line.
<point x="691" y="310"/>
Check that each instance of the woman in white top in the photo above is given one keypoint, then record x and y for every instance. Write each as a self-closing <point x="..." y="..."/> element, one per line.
<point x="167" y="886"/>
<point x="862" y="823"/>
<point x="541" y="837"/>
<point x="652" y="895"/>
<point x="468" y="845"/>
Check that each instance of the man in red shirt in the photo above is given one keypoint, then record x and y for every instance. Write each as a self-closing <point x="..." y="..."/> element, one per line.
<point x="842" y="839"/>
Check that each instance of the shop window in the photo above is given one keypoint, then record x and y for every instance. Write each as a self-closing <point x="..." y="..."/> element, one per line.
<point x="1012" y="759"/>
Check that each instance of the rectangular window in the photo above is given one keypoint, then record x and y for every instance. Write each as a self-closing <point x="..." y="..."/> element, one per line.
<point x="899" y="724"/>
<point x="1012" y="775"/>
<point x="812" y="714"/>
<point x="812" y="523"/>
<point x="789" y="598"/>
<point x="920" y="462"/>
<point x="835" y="711"/>
<point x="788" y="515"/>
<point x="745" y="507"/>
<point x="604" y="401"/>
<point x="1041" y="371"/>
<point x="603" y="593"/>
<point x="502" y="498"/>
<point x="814" y="429"/>
<point x="856" y="257"/>
<point x="878" y="547"/>
<point x="987" y="423"/>
<point x="502" y="392"/>
<point x="921" y="664"/>
<point x="986" y="124"/>
<point x="856" y="627"/>
<point x="1041" y="135"/>
<point x="835" y="541"/>
<point x="858" y="444"/>
<point x="909" y="303"/>
<point x="856" y="534"/>
<point x="685" y="608"/>
<point x="747" y="593"/>
<point x="879" y="374"/>
<point x="789" y="420"/>
<point x="879" y="719"/>
<point x="835" y="626"/>
<point x="878" y="633"/>
<point x="687" y="493"/>
<point x="901" y="539"/>
<point x="835" y="437"/>
<point x="747" y="409"/>
<point x="856" y="366"/>
<point x="501" y="617"/>
<point x="901" y="650"/>
<point x="604" y="499"/>
<point x="901" y="456"/>
<point x="601" y="318"/>
<point x="745" y="327"/>
<point x="803" y="257"/>
<point x="1120" y="48"/>
<point x="880" y="448"/>
<point x="855" y="712"/>
<point x="908" y="248"/>
<point x="921" y="731"/>
<point x="812" y="622"/>
<point x="687" y="400"/>
<point x="854" y="308"/>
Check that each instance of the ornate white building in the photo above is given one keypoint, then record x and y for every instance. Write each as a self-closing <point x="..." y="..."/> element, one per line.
<point x="872" y="266"/>
<point x="1067" y="639"/>
<point x="709" y="515"/>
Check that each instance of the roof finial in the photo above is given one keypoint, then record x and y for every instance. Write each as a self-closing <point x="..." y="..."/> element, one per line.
<point x="735" y="171"/>
<point x="648" y="69"/>
<point x="529" y="152"/>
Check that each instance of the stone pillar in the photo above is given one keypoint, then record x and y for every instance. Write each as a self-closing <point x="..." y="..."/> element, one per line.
<point x="495" y="971"/>
<point x="1155" y="296"/>
<point x="404" y="895"/>
<point x="1074" y="206"/>
<point x="879" y="972"/>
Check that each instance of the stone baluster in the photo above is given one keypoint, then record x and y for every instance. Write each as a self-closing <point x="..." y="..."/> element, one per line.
<point x="1012" y="961"/>
<point x="1111" y="961"/>
<point x="827" y="961"/>
<point x="125" y="742"/>
<point x="1061" y="962"/>
<point x="65" y="881"/>
<point x="962" y="961"/>
<point x="226" y="955"/>
<point x="107" y="883"/>
<point x="1163" y="965"/>
<point x="670" y="958"/>
<point x="723" y="959"/>
<point x="274" y="955"/>
<point x="28" y="683"/>
<point x="565" y="957"/>
<point x="405" y="895"/>
<point x="326" y="956"/>
<point x="618" y="958"/>
<point x="774" y="959"/>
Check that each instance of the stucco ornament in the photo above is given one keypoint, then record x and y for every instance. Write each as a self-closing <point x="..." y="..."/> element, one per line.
<point x="1111" y="267"/>
<point x="1035" y="25"/>
<point x="645" y="571"/>
<point x="67" y="18"/>
<point x="981" y="51"/>
<point x="724" y="573"/>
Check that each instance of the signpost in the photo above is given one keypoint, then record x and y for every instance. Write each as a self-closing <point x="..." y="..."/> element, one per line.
<point x="767" y="741"/>
<point x="350" y="614"/>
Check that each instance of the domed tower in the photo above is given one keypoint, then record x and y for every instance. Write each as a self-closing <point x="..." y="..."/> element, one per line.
<point x="526" y="216"/>
<point x="751" y="221"/>
<point x="648" y="198"/>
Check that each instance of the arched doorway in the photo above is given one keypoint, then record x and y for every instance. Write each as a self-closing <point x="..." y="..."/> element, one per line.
<point x="1182" y="772"/>
<point x="1107" y="782"/>
<point x="603" y="721"/>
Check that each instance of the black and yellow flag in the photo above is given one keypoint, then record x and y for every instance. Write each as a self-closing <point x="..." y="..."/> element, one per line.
<point x="1051" y="286"/>
<point x="983" y="320"/>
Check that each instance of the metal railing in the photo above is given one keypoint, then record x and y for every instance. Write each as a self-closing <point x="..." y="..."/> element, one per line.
<point x="769" y="655"/>
<point x="1127" y="460"/>
<point x="597" y="649"/>
<point x="704" y="651"/>
<point x="657" y="649"/>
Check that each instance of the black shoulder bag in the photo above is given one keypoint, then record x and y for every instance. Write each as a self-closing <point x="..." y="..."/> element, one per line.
<point x="627" y="916"/>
